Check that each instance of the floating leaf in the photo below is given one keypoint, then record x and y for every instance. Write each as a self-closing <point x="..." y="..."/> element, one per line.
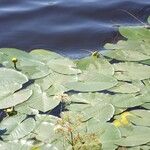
<point x="41" y="101"/>
<point x="17" y="127"/>
<point x="92" y="81"/>
<point x="44" y="55"/>
<point x="14" y="99"/>
<point x="101" y="64"/>
<point x="128" y="100"/>
<point x="63" y="66"/>
<point x="126" y="55"/>
<point x="124" y="87"/>
<point x="140" y="117"/>
<point x="109" y="135"/>
<point x="15" y="145"/>
<point x="10" y="81"/>
<point x="131" y="71"/>
<point x="44" y="129"/>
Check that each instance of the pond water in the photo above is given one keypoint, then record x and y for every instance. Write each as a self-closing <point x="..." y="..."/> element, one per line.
<point x="68" y="27"/>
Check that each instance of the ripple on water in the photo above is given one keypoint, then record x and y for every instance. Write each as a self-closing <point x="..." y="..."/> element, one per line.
<point x="67" y="26"/>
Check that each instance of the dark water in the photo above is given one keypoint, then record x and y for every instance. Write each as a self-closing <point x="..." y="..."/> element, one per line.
<point x="66" y="26"/>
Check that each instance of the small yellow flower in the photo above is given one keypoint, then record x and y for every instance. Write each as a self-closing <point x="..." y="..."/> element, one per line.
<point x="14" y="60"/>
<point x="96" y="54"/>
<point x="125" y="114"/>
<point x="35" y="148"/>
<point x="8" y="110"/>
<point x="117" y="123"/>
<point x="124" y="121"/>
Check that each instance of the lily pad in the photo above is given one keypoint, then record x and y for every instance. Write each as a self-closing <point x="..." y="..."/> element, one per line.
<point x="90" y="81"/>
<point x="63" y="66"/>
<point x="129" y="71"/>
<point x="14" y="99"/>
<point x="17" y="127"/>
<point x="10" y="81"/>
<point x="126" y="55"/>
<point x="124" y="87"/>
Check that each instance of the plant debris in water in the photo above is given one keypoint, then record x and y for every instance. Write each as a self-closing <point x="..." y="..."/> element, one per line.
<point x="100" y="102"/>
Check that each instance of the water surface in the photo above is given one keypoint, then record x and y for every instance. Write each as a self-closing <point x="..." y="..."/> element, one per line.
<point x="66" y="26"/>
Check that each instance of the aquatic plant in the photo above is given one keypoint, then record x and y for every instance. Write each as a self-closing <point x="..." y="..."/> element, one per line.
<point x="102" y="101"/>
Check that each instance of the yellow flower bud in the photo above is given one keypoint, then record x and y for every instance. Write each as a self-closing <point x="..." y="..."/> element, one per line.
<point x="14" y="60"/>
<point x="125" y="114"/>
<point x="124" y="121"/>
<point x="8" y="110"/>
<point x="117" y="123"/>
<point x="96" y="54"/>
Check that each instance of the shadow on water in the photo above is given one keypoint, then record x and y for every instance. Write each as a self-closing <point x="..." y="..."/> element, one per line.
<point x="66" y="26"/>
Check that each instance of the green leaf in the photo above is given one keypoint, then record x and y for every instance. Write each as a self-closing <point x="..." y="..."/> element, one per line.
<point x="126" y="55"/>
<point x="140" y="117"/>
<point x="41" y="101"/>
<point x="13" y="145"/>
<point x="17" y="127"/>
<point x="45" y="128"/>
<point x="33" y="69"/>
<point x="137" y="33"/>
<point x="124" y="87"/>
<point x="109" y="135"/>
<point x="92" y="81"/>
<point x="146" y="62"/>
<point x="129" y="71"/>
<point x="102" y="112"/>
<point x="15" y="99"/>
<point x="100" y="64"/>
<point x="10" y="81"/>
<point x="128" y="100"/>
<point x="15" y="53"/>
<point x="63" y="66"/>
<point x="148" y="19"/>
<point x="44" y="55"/>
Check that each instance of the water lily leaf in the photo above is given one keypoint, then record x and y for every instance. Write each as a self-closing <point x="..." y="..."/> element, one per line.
<point x="146" y="105"/>
<point x="102" y="112"/>
<point x="92" y="81"/>
<point x="101" y="64"/>
<point x="45" y="128"/>
<point x="56" y="89"/>
<point x="57" y="78"/>
<point x="41" y="101"/>
<point x="55" y="81"/>
<point x="10" y="81"/>
<point x="44" y="55"/>
<point x="14" y="99"/>
<point x="45" y="82"/>
<point x="146" y="62"/>
<point x="27" y="64"/>
<point x="134" y="140"/>
<point x="133" y="136"/>
<point x="15" y="53"/>
<point x="63" y="66"/>
<point x="33" y="69"/>
<point x="128" y="100"/>
<point x="91" y="106"/>
<point x="138" y="40"/>
<point x="148" y="19"/>
<point x="124" y="87"/>
<point x="140" y="117"/>
<point x="13" y="145"/>
<point x="137" y="33"/>
<point x="138" y="138"/>
<point x="17" y="127"/>
<point x="126" y="55"/>
<point x="129" y="71"/>
<point x="109" y="135"/>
